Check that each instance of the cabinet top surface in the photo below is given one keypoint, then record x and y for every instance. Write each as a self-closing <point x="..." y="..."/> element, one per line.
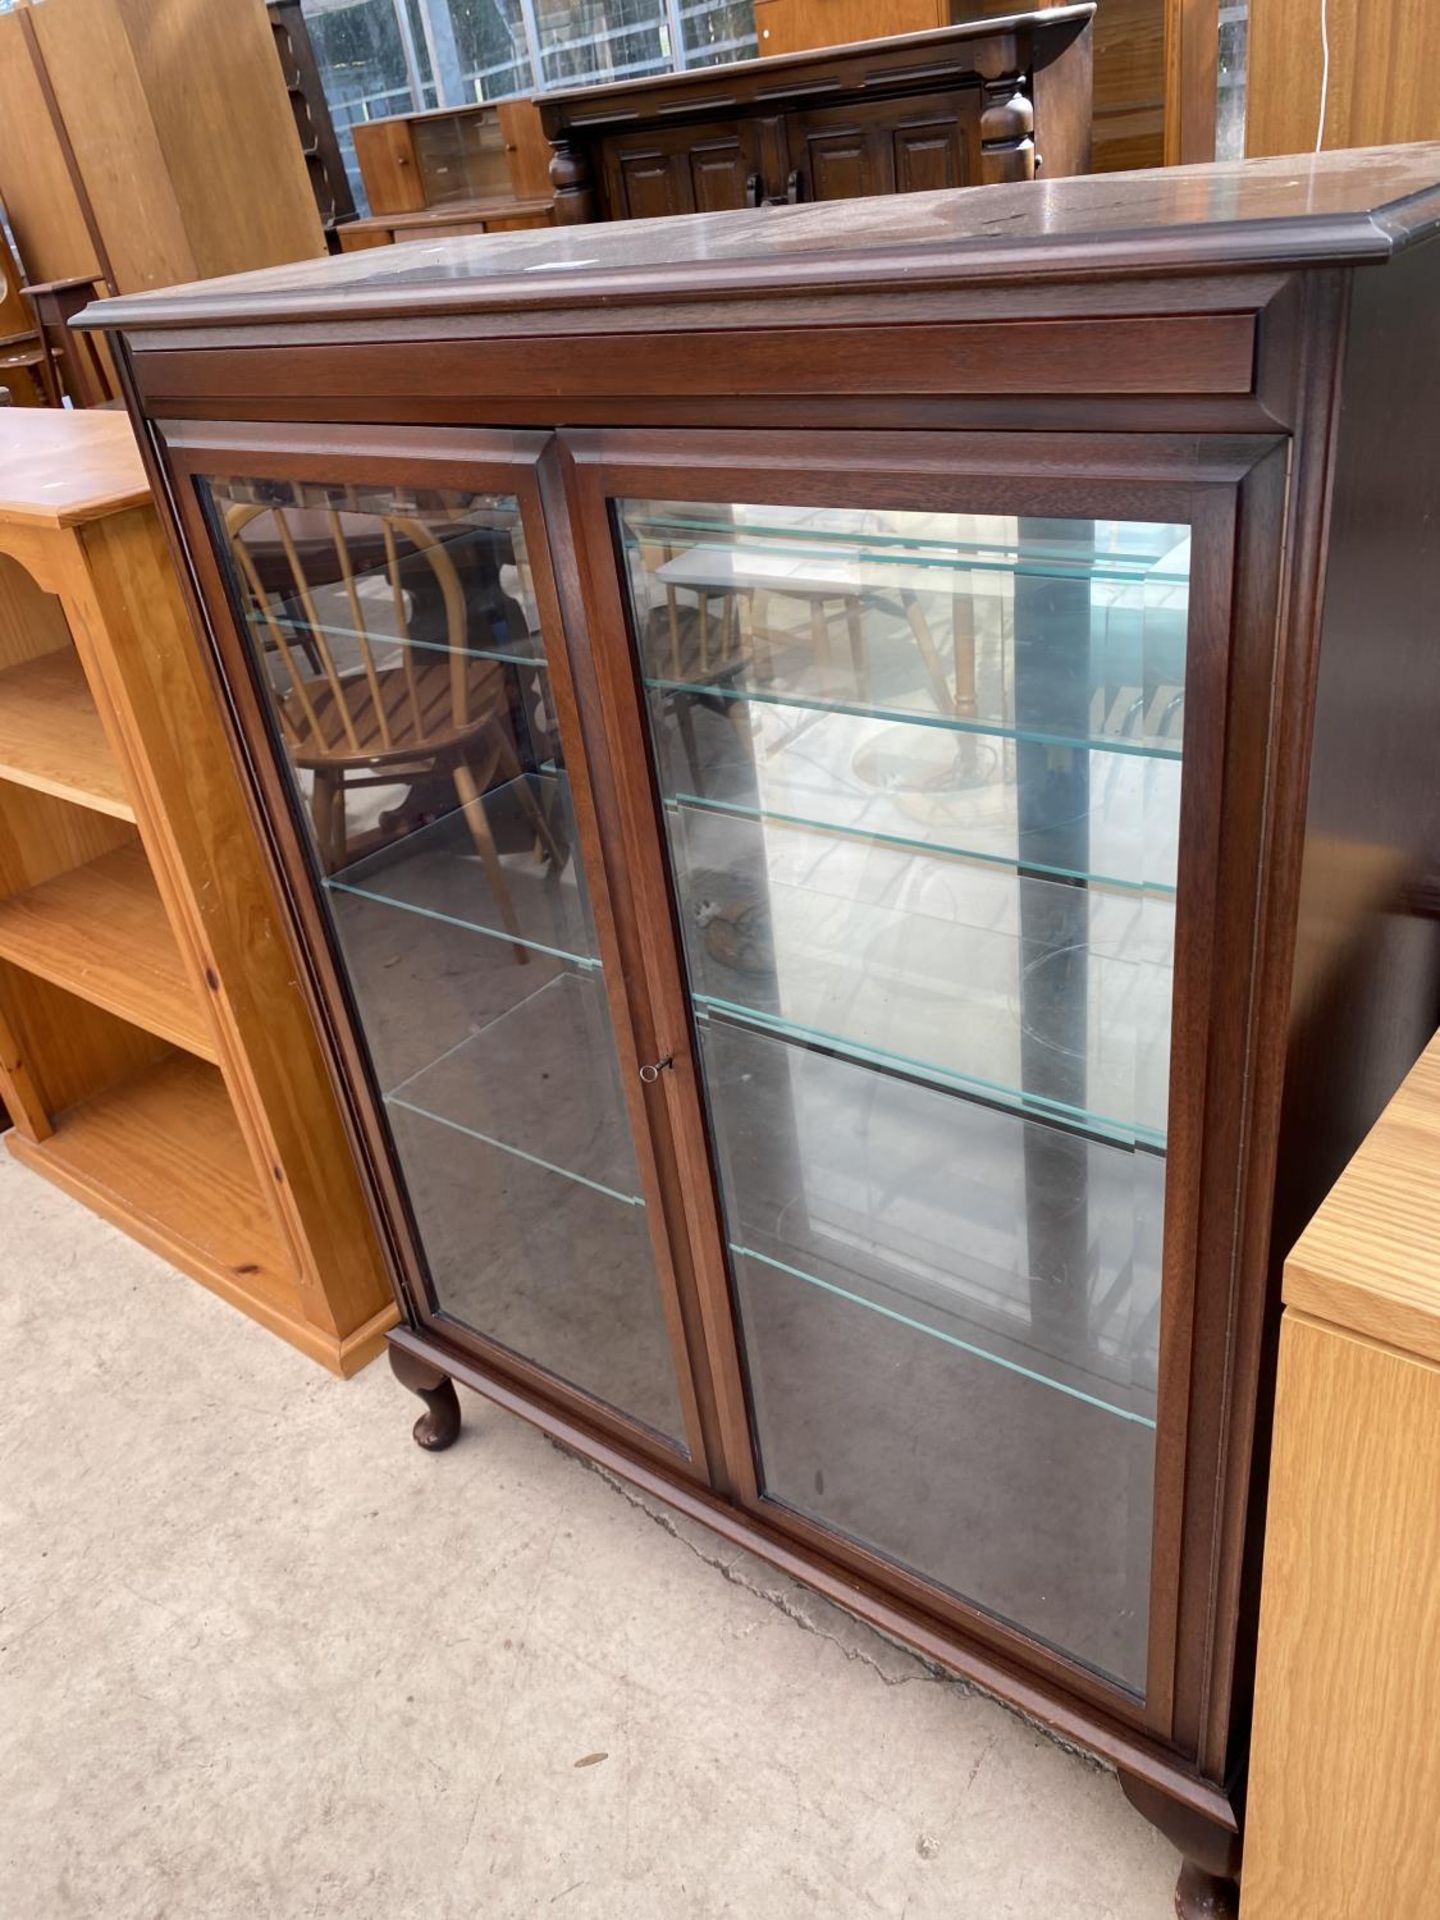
<point x="59" y="467"/>
<point x="1370" y="1259"/>
<point x="1350" y="207"/>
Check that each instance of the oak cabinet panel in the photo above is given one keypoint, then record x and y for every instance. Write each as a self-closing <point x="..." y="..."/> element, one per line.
<point x="959" y="104"/>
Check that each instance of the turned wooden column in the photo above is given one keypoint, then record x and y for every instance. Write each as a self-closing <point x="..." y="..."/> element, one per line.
<point x="1007" y="131"/>
<point x="574" y="185"/>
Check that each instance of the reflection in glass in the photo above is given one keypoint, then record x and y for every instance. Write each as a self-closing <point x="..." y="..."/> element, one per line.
<point x="920" y="774"/>
<point x="400" y="643"/>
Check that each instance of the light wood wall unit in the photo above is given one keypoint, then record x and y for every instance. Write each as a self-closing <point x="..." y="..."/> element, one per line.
<point x="156" y="1057"/>
<point x="146" y="142"/>
<point x="454" y="157"/>
<point x="1345" y="1775"/>
<point x="1129" y="105"/>
<point x="1383" y="59"/>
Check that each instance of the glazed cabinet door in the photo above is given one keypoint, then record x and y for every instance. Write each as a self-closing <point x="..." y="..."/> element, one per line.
<point x="933" y="729"/>
<point x="386" y="613"/>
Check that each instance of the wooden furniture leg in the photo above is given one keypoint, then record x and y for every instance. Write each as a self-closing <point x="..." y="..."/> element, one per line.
<point x="855" y="627"/>
<point x="962" y="647"/>
<point x="514" y="773"/>
<point x="78" y="359"/>
<point x="327" y="808"/>
<point x="1208" y="1886"/>
<point x="820" y="641"/>
<point x="929" y="652"/>
<point x="1203" y="1896"/>
<point x="474" y="808"/>
<point x="439" y="1426"/>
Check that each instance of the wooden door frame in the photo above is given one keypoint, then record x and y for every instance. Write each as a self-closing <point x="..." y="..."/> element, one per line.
<point x="1208" y="484"/>
<point x="1188" y="1771"/>
<point x="1192" y="48"/>
<point x="472" y="461"/>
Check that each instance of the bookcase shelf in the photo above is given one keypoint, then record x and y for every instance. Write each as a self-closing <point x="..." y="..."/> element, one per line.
<point x="161" y="1155"/>
<point x="51" y="737"/>
<point x="100" y="931"/>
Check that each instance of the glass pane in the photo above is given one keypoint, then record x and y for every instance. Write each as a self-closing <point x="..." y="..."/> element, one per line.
<point x="461" y="159"/>
<point x="585" y="41"/>
<point x="372" y="64"/>
<point x="717" y="31"/>
<point x="1230" y="74"/>
<point x="920" y="775"/>
<point x="491" y="48"/>
<point x="398" y="637"/>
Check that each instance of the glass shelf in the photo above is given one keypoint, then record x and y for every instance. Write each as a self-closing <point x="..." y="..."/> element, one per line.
<point x="916" y="619"/>
<point x="500" y="1085"/>
<point x="934" y="965"/>
<point x="913" y="787"/>
<point x="436" y="871"/>
<point x="549" y="1267"/>
<point x="345" y="642"/>
<point x="873" y="709"/>
<point x="937" y="1325"/>
<point x="1030" y="1503"/>
<point x="1121" y="552"/>
<point x="912" y="843"/>
<point x="943" y="1214"/>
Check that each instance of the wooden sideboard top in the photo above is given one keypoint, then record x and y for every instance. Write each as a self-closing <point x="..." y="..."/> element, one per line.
<point x="1370" y="1259"/>
<point x="60" y="467"/>
<point x="727" y="84"/>
<point x="1351" y="207"/>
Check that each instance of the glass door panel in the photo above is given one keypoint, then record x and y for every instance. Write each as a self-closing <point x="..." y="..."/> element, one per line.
<point x="920" y="776"/>
<point x="397" y="639"/>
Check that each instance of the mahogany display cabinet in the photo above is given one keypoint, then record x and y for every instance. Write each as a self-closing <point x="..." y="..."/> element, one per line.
<point x="854" y="786"/>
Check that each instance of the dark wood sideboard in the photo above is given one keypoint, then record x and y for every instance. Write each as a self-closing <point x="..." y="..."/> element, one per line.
<point x="968" y="105"/>
<point x="861" y="851"/>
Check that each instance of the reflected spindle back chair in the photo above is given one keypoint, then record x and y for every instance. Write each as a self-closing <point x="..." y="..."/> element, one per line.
<point x="441" y="709"/>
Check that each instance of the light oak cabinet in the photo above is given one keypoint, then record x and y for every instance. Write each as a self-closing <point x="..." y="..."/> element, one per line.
<point x="1345" y="1775"/>
<point x="855" y="784"/>
<point x="156" y="1057"/>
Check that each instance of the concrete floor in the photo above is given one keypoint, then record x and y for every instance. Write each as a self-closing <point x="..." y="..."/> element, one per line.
<point x="260" y="1657"/>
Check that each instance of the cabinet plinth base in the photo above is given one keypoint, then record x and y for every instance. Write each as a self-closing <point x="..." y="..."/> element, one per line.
<point x="439" y="1426"/>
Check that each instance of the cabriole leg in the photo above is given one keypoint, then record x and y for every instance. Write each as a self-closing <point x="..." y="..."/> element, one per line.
<point x="439" y="1426"/>
<point x="1201" y="1896"/>
<point x="1208" y="1887"/>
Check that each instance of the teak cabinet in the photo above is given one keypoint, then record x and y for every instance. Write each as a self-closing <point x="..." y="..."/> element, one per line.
<point x="454" y="170"/>
<point x="855" y="785"/>
<point x="451" y="155"/>
<point x="981" y="102"/>
<point x="157" y="1057"/>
